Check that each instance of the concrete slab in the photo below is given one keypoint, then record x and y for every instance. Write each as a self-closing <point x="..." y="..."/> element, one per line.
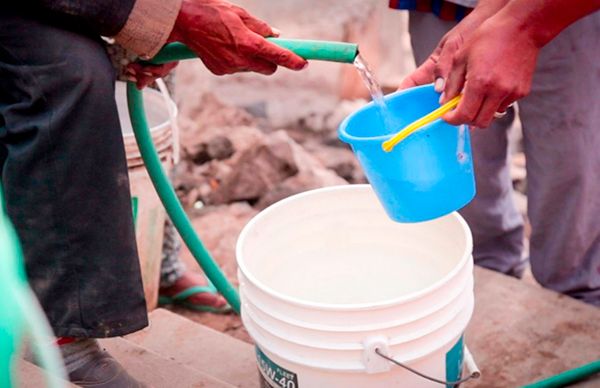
<point x="156" y="370"/>
<point x="199" y="348"/>
<point x="521" y="332"/>
<point x="31" y="376"/>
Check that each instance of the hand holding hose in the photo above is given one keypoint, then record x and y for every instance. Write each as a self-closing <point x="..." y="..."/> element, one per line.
<point x="228" y="39"/>
<point x="144" y="75"/>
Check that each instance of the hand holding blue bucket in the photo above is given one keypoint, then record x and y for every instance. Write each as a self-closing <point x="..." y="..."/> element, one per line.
<point x="427" y="175"/>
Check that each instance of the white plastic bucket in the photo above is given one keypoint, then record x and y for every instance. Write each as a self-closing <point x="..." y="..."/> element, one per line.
<point x="326" y="278"/>
<point x="150" y="214"/>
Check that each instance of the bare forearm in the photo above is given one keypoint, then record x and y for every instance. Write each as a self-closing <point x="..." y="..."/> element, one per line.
<point x="489" y="8"/>
<point x="484" y="10"/>
<point x="542" y="20"/>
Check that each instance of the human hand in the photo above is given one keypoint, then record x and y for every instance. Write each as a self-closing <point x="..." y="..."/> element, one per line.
<point x="228" y="39"/>
<point x="144" y="75"/>
<point x="437" y="66"/>
<point x="493" y="69"/>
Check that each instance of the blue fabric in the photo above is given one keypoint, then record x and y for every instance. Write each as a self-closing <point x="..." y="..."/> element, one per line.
<point x="407" y="4"/>
<point x="435" y="7"/>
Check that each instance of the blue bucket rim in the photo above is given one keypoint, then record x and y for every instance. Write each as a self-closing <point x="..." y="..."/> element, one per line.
<point x="350" y="139"/>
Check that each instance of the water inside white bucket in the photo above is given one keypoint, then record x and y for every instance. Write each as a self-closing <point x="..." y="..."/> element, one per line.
<point x="322" y="255"/>
<point x="352" y="273"/>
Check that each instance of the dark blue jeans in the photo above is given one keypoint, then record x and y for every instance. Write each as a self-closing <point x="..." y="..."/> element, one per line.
<point x="65" y="177"/>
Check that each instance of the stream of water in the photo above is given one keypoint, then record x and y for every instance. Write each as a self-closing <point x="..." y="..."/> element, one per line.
<point x="376" y="94"/>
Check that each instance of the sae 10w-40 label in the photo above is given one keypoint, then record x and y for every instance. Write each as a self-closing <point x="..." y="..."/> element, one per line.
<point x="275" y="375"/>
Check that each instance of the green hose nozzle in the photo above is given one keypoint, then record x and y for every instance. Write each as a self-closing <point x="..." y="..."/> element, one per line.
<point x="321" y="50"/>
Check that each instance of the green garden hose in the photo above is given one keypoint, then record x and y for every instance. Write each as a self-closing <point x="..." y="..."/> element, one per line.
<point x="308" y="49"/>
<point x="169" y="199"/>
<point x="319" y="50"/>
<point x="568" y="377"/>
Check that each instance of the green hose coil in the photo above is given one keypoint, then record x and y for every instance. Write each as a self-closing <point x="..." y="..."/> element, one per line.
<point x="308" y="49"/>
<point x="167" y="195"/>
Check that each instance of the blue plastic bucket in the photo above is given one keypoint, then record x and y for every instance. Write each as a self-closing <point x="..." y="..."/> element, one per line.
<point x="427" y="175"/>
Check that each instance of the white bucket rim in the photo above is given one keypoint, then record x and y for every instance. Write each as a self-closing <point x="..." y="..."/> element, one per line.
<point x="172" y="110"/>
<point x="349" y="306"/>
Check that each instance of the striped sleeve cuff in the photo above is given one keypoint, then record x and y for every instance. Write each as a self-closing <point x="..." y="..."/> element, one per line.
<point x="149" y="25"/>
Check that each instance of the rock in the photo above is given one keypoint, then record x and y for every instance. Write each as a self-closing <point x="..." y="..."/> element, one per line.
<point x="209" y="177"/>
<point x="218" y="142"/>
<point x="257" y="169"/>
<point x="210" y="112"/>
<point x="196" y="182"/>
<point x="341" y="160"/>
<point x="182" y="177"/>
<point x="343" y="110"/>
<point x="205" y="130"/>
<point x="262" y="168"/>
<point x="303" y="181"/>
<point x="329" y="120"/>
<point x="218" y="147"/>
<point x="243" y="137"/>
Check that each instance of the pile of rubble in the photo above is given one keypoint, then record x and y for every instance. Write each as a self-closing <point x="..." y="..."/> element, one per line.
<point x="230" y="156"/>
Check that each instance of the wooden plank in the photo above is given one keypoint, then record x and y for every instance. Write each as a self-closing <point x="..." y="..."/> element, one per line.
<point x="521" y="332"/>
<point x="200" y="348"/>
<point x="156" y="371"/>
<point x="31" y="376"/>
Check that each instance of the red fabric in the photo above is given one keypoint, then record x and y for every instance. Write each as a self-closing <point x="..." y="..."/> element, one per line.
<point x="424" y="5"/>
<point x="448" y="11"/>
<point x="64" y="340"/>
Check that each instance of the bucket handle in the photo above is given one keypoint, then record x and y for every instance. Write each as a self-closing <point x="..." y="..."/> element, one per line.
<point x="473" y="374"/>
<point x="172" y="117"/>
<point x="379" y="346"/>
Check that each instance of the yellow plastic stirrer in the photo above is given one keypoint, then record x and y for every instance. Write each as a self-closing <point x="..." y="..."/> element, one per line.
<point x="389" y="144"/>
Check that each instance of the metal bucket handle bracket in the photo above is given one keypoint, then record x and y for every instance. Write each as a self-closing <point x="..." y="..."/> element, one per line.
<point x="373" y="362"/>
<point x="376" y="358"/>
